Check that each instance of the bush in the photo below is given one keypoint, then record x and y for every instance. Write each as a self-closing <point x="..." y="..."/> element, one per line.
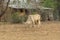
<point x="18" y="19"/>
<point x="23" y="18"/>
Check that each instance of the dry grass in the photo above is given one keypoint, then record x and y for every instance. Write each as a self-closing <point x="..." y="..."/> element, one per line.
<point x="47" y="31"/>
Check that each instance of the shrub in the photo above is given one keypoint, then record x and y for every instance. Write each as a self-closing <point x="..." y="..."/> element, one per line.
<point x="18" y="19"/>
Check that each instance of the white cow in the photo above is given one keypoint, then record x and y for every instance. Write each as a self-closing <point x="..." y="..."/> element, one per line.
<point x="33" y="19"/>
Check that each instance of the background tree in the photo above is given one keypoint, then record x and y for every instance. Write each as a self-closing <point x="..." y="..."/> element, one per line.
<point x="58" y="7"/>
<point x="3" y="7"/>
<point x="49" y="3"/>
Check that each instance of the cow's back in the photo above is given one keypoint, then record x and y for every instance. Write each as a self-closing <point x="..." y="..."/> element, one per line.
<point x="35" y="17"/>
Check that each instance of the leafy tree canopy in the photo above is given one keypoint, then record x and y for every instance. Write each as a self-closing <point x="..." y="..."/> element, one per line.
<point x="50" y="3"/>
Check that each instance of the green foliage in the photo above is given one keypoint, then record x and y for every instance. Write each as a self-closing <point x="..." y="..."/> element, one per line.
<point x="15" y="18"/>
<point x="33" y="13"/>
<point x="49" y="3"/>
<point x="18" y="19"/>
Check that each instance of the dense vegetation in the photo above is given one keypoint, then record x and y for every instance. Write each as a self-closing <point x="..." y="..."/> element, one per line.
<point x="54" y="4"/>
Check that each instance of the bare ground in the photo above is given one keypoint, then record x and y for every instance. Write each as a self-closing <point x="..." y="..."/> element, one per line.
<point x="47" y="31"/>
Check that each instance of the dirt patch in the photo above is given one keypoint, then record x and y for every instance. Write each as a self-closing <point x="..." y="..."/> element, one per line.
<point x="47" y="31"/>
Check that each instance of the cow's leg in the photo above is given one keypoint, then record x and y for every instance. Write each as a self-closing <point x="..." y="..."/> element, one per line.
<point x="33" y="23"/>
<point x="32" y="20"/>
<point x="39" y="23"/>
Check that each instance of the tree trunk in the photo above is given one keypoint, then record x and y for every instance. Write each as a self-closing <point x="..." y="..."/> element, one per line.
<point x="2" y="12"/>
